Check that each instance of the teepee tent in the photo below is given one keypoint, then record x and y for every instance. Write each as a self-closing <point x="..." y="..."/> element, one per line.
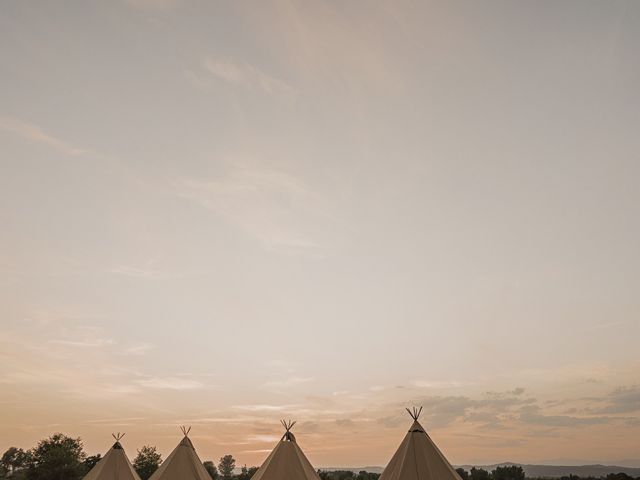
<point x="418" y="458"/>
<point x="183" y="463"/>
<point x="114" y="465"/>
<point x="286" y="461"/>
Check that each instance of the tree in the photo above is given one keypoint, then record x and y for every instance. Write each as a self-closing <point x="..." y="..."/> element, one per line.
<point x="619" y="476"/>
<point x="508" y="472"/>
<point x="13" y="459"/>
<point x="57" y="458"/>
<point x="344" y="474"/>
<point x="478" y="474"/>
<point x="246" y="473"/>
<point x="364" y="475"/>
<point x="91" y="462"/>
<point x="210" y="467"/>
<point x="147" y="461"/>
<point x="226" y="466"/>
<point x="464" y="475"/>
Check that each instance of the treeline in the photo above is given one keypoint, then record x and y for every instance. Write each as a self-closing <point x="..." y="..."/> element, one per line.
<point x="347" y="475"/>
<point x="60" y="456"/>
<point x="515" y="472"/>
<point x="507" y="472"/>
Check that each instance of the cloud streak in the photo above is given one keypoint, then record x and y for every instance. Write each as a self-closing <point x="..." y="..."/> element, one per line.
<point x="271" y="205"/>
<point x="264" y="408"/>
<point x="622" y="400"/>
<point x="35" y="134"/>
<point x="171" y="383"/>
<point x="244" y="75"/>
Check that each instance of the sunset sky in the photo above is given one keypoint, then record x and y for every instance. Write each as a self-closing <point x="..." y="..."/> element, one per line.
<point x="221" y="214"/>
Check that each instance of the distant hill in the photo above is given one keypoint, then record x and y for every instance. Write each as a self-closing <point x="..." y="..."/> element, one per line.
<point x="544" y="471"/>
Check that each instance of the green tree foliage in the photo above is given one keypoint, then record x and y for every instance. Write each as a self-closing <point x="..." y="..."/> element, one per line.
<point x="12" y="460"/>
<point x="336" y="475"/>
<point x="363" y="475"/>
<point x="57" y="458"/>
<point x="226" y="466"/>
<point x="619" y="476"/>
<point x="464" y="475"/>
<point x="509" y="472"/>
<point x="246" y="473"/>
<point x="91" y="462"/>
<point x="210" y="467"/>
<point x="347" y="475"/>
<point x="478" y="474"/>
<point x="570" y="477"/>
<point x="147" y="461"/>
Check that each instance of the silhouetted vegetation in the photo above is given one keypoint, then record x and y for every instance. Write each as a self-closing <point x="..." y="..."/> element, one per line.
<point x="478" y="474"/>
<point x="91" y="461"/>
<point x="611" y="476"/>
<point x="226" y="466"/>
<point x="57" y="458"/>
<point x="464" y="475"/>
<point x="60" y="457"/>
<point x="246" y="473"/>
<point x="508" y="472"/>
<point x="210" y="467"/>
<point x="12" y="461"/>
<point x="347" y="475"/>
<point x="515" y="472"/>
<point x="146" y="462"/>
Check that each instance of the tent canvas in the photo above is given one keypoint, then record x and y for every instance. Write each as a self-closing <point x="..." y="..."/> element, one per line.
<point x="114" y="465"/>
<point x="418" y="457"/>
<point x="287" y="461"/>
<point x="183" y="463"/>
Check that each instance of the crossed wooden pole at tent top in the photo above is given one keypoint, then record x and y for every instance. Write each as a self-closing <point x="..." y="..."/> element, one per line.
<point x="118" y="436"/>
<point x="415" y="413"/>
<point x="288" y="425"/>
<point x="185" y="430"/>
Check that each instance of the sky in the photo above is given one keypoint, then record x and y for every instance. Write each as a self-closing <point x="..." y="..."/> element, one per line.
<point x="221" y="214"/>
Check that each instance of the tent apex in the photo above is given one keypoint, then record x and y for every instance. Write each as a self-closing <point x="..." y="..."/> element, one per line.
<point x="288" y="425"/>
<point x="414" y="412"/>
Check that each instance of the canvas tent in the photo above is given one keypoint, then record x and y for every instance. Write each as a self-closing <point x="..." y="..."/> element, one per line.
<point x="286" y="461"/>
<point x="114" y="465"/>
<point x="418" y="458"/>
<point x="183" y="463"/>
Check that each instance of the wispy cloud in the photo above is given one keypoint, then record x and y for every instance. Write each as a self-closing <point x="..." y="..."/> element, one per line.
<point x="622" y="400"/>
<point x="171" y="383"/>
<point x="244" y="75"/>
<point x="92" y="343"/>
<point x="272" y="205"/>
<point x="287" y="382"/>
<point x="263" y="438"/>
<point x="604" y="325"/>
<point x="162" y="5"/>
<point x="139" y="349"/>
<point x="140" y="272"/>
<point x="36" y="134"/>
<point x="532" y="415"/>
<point x="114" y="421"/>
<point x="264" y="408"/>
<point x="377" y="388"/>
<point x="438" y="384"/>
